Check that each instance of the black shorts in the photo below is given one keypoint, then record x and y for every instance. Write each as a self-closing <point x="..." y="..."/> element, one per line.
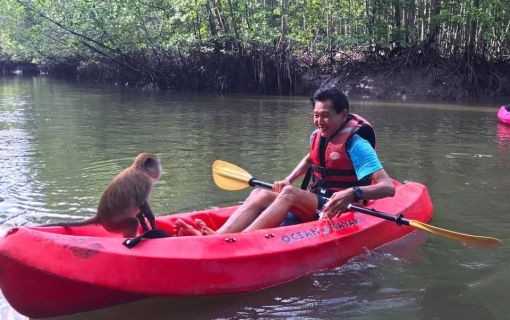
<point x="321" y="202"/>
<point x="291" y="219"/>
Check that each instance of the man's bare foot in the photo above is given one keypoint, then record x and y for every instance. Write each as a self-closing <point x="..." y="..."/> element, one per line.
<point x="206" y="231"/>
<point x="183" y="229"/>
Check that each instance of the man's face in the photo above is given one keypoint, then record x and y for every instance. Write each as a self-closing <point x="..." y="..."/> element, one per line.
<point x="326" y="119"/>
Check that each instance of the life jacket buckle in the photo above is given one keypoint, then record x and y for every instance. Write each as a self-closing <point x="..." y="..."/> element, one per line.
<point x="324" y="192"/>
<point x="321" y="184"/>
<point x="323" y="172"/>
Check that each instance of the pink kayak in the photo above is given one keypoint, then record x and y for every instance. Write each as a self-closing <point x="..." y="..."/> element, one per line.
<point x="53" y="271"/>
<point x="504" y="114"/>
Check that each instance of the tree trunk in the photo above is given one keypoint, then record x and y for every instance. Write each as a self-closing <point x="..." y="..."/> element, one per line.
<point x="472" y="31"/>
<point x="396" y="34"/>
<point x="435" y="10"/>
<point x="410" y="31"/>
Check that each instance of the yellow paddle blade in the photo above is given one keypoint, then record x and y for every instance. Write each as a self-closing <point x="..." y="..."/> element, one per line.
<point x="476" y="241"/>
<point x="229" y="177"/>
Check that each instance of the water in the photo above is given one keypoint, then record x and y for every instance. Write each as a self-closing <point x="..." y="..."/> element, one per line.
<point x="62" y="142"/>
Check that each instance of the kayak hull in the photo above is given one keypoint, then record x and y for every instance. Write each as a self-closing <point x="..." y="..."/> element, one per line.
<point x="54" y="271"/>
<point x="504" y="115"/>
<point x="47" y="295"/>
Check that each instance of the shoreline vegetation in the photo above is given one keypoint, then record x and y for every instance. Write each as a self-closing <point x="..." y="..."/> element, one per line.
<point x="428" y="50"/>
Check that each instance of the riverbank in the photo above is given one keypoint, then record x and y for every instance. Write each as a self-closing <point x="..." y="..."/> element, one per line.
<point x="410" y="74"/>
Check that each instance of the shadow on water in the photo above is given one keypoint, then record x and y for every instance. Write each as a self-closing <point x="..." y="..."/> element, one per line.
<point x="225" y="307"/>
<point x="445" y="302"/>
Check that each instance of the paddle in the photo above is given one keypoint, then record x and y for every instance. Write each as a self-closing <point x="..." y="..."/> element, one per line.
<point x="231" y="177"/>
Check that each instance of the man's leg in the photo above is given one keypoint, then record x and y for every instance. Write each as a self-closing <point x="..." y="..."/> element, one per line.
<point x="184" y="229"/>
<point x="300" y="202"/>
<point x="257" y="202"/>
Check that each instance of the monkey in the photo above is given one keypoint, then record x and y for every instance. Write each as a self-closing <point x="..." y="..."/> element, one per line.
<point x="124" y="203"/>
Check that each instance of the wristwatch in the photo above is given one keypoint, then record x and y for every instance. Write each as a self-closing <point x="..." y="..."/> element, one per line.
<point x="358" y="194"/>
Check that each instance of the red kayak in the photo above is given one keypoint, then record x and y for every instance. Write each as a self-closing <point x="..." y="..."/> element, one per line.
<point x="53" y="271"/>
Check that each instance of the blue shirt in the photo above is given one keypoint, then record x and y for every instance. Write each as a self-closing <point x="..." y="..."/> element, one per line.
<point x="363" y="156"/>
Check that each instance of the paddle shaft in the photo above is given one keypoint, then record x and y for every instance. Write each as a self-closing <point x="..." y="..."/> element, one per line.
<point x="398" y="219"/>
<point x="257" y="183"/>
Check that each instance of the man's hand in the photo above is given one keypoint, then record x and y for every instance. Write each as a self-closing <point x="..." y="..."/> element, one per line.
<point x="279" y="185"/>
<point x="338" y="203"/>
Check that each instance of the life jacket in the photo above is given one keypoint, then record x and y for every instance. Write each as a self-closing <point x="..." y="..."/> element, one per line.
<point x="332" y="169"/>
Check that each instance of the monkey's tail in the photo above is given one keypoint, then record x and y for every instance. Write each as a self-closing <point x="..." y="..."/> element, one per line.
<point x="86" y="222"/>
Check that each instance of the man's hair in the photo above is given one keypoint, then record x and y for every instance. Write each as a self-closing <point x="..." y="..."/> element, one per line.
<point x="337" y="97"/>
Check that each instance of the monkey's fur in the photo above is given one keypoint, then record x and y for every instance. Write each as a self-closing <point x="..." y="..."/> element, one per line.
<point x="124" y="203"/>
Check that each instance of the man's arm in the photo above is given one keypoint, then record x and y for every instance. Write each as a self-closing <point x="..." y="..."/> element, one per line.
<point x="298" y="171"/>
<point x="366" y="164"/>
<point x="381" y="188"/>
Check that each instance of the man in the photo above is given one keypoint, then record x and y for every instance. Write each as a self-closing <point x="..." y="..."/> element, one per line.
<point x="344" y="168"/>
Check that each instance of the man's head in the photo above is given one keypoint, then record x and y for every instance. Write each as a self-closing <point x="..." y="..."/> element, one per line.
<point x="330" y="110"/>
<point x="337" y="97"/>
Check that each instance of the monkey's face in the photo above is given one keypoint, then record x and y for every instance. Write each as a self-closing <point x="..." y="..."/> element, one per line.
<point x="153" y="167"/>
<point x="149" y="163"/>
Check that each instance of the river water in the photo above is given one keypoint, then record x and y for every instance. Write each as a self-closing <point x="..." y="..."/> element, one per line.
<point x="61" y="143"/>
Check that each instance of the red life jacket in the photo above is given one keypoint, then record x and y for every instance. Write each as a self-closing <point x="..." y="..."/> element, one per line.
<point x="332" y="168"/>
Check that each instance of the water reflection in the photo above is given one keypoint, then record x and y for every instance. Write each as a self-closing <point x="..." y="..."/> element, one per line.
<point x="503" y="135"/>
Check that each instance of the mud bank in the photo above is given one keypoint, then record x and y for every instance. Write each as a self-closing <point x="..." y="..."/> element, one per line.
<point x="412" y="74"/>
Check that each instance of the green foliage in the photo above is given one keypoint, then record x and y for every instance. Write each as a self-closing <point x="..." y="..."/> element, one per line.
<point x="57" y="30"/>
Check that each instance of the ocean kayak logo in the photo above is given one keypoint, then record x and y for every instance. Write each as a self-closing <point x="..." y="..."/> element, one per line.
<point x="317" y="231"/>
<point x="339" y="225"/>
<point x="301" y="235"/>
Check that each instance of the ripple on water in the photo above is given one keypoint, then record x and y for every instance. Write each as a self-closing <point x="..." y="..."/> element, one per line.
<point x="22" y="193"/>
<point x="11" y="112"/>
<point x="462" y="155"/>
<point x="13" y="101"/>
<point x="474" y="265"/>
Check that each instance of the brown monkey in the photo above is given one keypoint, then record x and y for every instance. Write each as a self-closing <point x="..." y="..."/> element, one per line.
<point x="124" y="203"/>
